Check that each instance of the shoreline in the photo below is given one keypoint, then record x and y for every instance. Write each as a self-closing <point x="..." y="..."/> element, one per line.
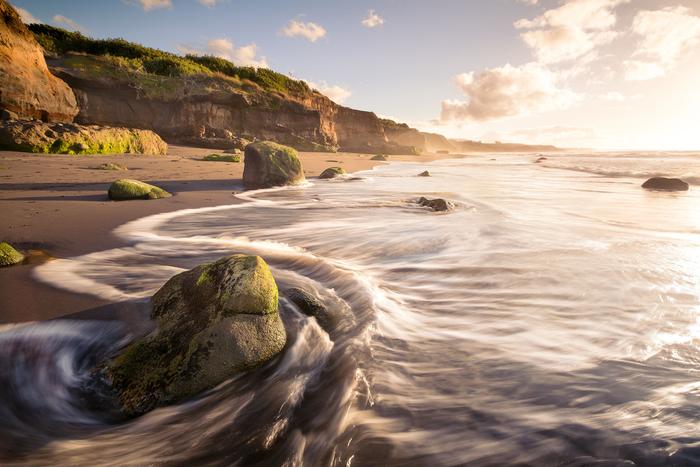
<point x="56" y="205"/>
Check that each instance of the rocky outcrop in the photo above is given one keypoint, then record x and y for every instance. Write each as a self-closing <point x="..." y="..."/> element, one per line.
<point x="332" y="172"/>
<point x="222" y="158"/>
<point x="665" y="184"/>
<point x="70" y="138"/>
<point x="9" y="256"/>
<point x="269" y="164"/>
<point x="379" y="157"/>
<point x="214" y="321"/>
<point x="425" y="173"/>
<point x="29" y="90"/>
<point x="437" y="204"/>
<point x="127" y="189"/>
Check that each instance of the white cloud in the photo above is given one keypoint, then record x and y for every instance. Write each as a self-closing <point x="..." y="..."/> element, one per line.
<point x="68" y="23"/>
<point x="571" y="30"/>
<point x="372" y="20"/>
<point x="337" y="94"/>
<point x="613" y="96"/>
<point x="310" y="31"/>
<point x="666" y="36"/>
<point x="507" y="91"/>
<point x="208" y="3"/>
<point x="246" y="55"/>
<point x="528" y="2"/>
<point x="149" y="5"/>
<point x="25" y="16"/>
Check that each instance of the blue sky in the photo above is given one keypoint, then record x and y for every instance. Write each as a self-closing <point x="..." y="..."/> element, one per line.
<point x="416" y="66"/>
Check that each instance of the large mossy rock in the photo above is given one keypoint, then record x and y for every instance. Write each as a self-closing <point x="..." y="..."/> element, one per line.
<point x="214" y="321"/>
<point x="665" y="184"/>
<point x="9" y="256"/>
<point x="70" y="138"/>
<point x="127" y="189"/>
<point x="269" y="164"/>
<point x="332" y="172"/>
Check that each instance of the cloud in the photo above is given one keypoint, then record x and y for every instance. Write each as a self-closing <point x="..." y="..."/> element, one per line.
<point x="571" y="30"/>
<point x="25" y="16"/>
<point x="505" y="92"/>
<point x="613" y="96"/>
<point x="337" y="94"/>
<point x="528" y="2"/>
<point x="666" y="36"/>
<point x="553" y="135"/>
<point x="68" y="23"/>
<point x="310" y="31"/>
<point x="372" y="20"/>
<point x="149" y="5"/>
<point x="208" y="3"/>
<point x="246" y="55"/>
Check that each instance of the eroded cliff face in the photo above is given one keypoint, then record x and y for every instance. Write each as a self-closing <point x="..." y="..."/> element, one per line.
<point x="28" y="89"/>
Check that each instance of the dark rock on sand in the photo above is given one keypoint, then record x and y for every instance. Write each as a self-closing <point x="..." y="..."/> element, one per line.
<point x="111" y="166"/>
<point x="213" y="322"/>
<point x="127" y="189"/>
<point x="269" y="164"/>
<point x="437" y="204"/>
<point x="310" y="305"/>
<point x="424" y="174"/>
<point x="9" y="256"/>
<point x="222" y="158"/>
<point x="379" y="157"/>
<point x="70" y="138"/>
<point x="540" y="159"/>
<point x="332" y="172"/>
<point x="665" y="184"/>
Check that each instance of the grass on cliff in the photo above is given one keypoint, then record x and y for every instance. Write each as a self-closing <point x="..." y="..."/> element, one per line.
<point x="135" y="57"/>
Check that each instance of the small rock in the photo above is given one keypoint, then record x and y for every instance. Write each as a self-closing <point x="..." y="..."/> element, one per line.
<point x="332" y="172"/>
<point x="111" y="166"/>
<point x="312" y="306"/>
<point x="9" y="256"/>
<point x="379" y="157"/>
<point x="222" y="158"/>
<point x="424" y="174"/>
<point x="540" y="159"/>
<point x="437" y="204"/>
<point x="127" y="189"/>
<point x="665" y="184"/>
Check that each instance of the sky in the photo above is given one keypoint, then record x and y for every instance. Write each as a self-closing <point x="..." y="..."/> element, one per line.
<point x="604" y="74"/>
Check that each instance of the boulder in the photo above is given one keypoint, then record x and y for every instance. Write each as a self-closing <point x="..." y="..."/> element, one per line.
<point x="540" y="159"/>
<point x="29" y="90"/>
<point x="310" y="305"/>
<point x="9" y="256"/>
<point x="57" y="138"/>
<point x="127" y="189"/>
<point x="332" y="172"/>
<point x="379" y="157"/>
<point x="665" y="184"/>
<point x="437" y="204"/>
<point x="111" y="166"/>
<point x="213" y="322"/>
<point x="269" y="164"/>
<point x="222" y="158"/>
<point x="424" y="174"/>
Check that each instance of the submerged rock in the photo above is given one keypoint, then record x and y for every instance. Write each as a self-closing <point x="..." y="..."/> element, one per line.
<point x="9" y="256"/>
<point x="214" y="321"/>
<point x="379" y="157"/>
<point x="111" y="166"/>
<point x="332" y="172"/>
<point x="269" y="164"/>
<point x="437" y="204"/>
<point x="222" y="158"/>
<point x="424" y="174"/>
<point x="127" y="189"/>
<point x="540" y="159"/>
<point x="57" y="138"/>
<point x="665" y="184"/>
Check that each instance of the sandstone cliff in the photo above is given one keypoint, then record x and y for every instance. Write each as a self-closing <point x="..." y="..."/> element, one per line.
<point x="28" y="89"/>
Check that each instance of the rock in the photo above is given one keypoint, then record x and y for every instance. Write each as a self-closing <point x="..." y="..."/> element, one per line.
<point x="7" y="115"/>
<point x="9" y="256"/>
<point x="424" y="174"/>
<point x="437" y="204"/>
<point x="222" y="158"/>
<point x="379" y="157"/>
<point x="665" y="184"/>
<point x="332" y="172"/>
<point x="233" y="151"/>
<point x="111" y="166"/>
<point x="540" y="159"/>
<point x="312" y="306"/>
<point x="269" y="164"/>
<point x="127" y="189"/>
<point x="238" y="144"/>
<point x="29" y="90"/>
<point x="213" y="322"/>
<point x="56" y="138"/>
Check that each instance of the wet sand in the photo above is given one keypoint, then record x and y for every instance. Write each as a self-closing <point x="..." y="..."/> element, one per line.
<point x="57" y="206"/>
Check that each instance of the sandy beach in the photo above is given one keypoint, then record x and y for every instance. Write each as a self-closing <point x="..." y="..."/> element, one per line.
<point x="56" y="206"/>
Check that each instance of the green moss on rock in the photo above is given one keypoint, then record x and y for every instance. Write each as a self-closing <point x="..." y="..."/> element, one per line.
<point x="213" y="321"/>
<point x="332" y="172"/>
<point x="127" y="189"/>
<point x="111" y="166"/>
<point x="379" y="157"/>
<point x="9" y="256"/>
<point x="269" y="164"/>
<point x="222" y="158"/>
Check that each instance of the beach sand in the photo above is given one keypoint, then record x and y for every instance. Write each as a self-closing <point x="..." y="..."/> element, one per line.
<point x="57" y="206"/>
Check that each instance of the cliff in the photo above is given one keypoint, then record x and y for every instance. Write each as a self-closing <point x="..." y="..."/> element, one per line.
<point x="28" y="89"/>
